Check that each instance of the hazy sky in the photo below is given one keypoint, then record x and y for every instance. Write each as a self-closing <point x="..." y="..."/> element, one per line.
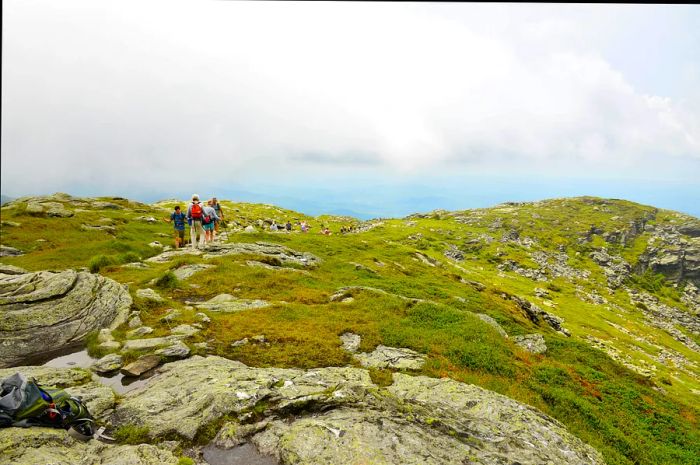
<point x="375" y="108"/>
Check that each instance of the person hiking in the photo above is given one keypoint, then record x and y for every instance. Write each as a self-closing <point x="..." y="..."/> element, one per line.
<point x="288" y="226"/>
<point x="178" y="219"/>
<point x="219" y="213"/>
<point x="209" y="219"/>
<point x="195" y="213"/>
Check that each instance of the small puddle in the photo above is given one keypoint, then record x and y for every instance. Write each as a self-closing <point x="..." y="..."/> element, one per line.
<point x="118" y="381"/>
<point x="246" y="454"/>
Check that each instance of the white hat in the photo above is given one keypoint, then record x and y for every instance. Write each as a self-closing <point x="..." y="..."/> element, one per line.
<point x="195" y="197"/>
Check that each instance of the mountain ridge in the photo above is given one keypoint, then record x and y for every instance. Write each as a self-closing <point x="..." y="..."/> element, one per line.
<point x="586" y="308"/>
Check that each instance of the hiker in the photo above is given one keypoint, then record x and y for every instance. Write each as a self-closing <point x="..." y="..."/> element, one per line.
<point x="288" y="226"/>
<point x="178" y="220"/>
<point x="195" y="212"/>
<point x="304" y="227"/>
<point x="219" y="213"/>
<point x="273" y="226"/>
<point x="209" y="219"/>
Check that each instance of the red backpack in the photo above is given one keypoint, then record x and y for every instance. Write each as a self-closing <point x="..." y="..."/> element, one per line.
<point x="196" y="211"/>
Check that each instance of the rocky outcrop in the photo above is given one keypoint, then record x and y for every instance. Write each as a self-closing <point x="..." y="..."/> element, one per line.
<point x="535" y="313"/>
<point x="668" y="318"/>
<point x="337" y="415"/>
<point x="228" y="303"/>
<point x="674" y="251"/>
<point x="7" y="251"/>
<point x="284" y="255"/>
<point x="58" y="307"/>
<point x="533" y="343"/>
<point x="616" y="269"/>
<point x="391" y="357"/>
<point x="187" y="271"/>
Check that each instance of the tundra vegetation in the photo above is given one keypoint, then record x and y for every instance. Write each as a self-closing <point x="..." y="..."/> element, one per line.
<point x="622" y="381"/>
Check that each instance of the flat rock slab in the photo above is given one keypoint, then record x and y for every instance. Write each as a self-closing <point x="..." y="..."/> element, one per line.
<point x="151" y="343"/>
<point x="67" y="305"/>
<point x="229" y="303"/>
<point x="187" y="271"/>
<point x="337" y="415"/>
<point x="391" y="357"/>
<point x="177" y="350"/>
<point x="7" y="251"/>
<point x="141" y="365"/>
<point x="284" y="254"/>
<point x="533" y="343"/>
<point x="11" y="269"/>
<point x="184" y="330"/>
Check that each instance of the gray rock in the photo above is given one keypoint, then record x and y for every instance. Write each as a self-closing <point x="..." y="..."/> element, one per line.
<point x="106" y="228"/>
<point x="489" y="320"/>
<point x="202" y="317"/>
<point x="228" y="303"/>
<point x="240" y="342"/>
<point x="535" y="313"/>
<point x="108" y="364"/>
<point x="106" y="206"/>
<point x="11" y="224"/>
<point x="259" y="339"/>
<point x="172" y="315"/>
<point x="141" y="365"/>
<point x="285" y="255"/>
<point x="184" y="330"/>
<point x="156" y="245"/>
<point x="149" y="294"/>
<point x="187" y="271"/>
<point x="391" y="357"/>
<point x="10" y="269"/>
<point x="68" y="305"/>
<point x="350" y="341"/>
<point x="34" y="208"/>
<point x="140" y="331"/>
<point x="7" y="251"/>
<point x="250" y="229"/>
<point x="533" y="343"/>
<point x="341" y="417"/>
<point x="151" y="343"/>
<point x="175" y="351"/>
<point x="135" y="322"/>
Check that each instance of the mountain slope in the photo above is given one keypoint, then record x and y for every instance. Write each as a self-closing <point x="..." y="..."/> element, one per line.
<point x="610" y="285"/>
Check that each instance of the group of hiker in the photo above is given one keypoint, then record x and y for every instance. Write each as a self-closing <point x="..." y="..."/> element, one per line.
<point x="203" y="219"/>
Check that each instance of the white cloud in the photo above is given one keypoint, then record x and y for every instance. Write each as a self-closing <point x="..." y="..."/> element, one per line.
<point x="124" y="93"/>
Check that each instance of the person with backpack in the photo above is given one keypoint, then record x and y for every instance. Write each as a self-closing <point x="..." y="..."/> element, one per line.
<point x="178" y="220"/>
<point x="220" y="213"/>
<point x="195" y="215"/>
<point x="209" y="219"/>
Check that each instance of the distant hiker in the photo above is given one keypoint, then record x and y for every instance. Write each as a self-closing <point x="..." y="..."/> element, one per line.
<point x="178" y="219"/>
<point x="209" y="219"/>
<point x="219" y="213"/>
<point x="304" y="227"/>
<point x="273" y="226"/>
<point x="288" y="226"/>
<point x="195" y="213"/>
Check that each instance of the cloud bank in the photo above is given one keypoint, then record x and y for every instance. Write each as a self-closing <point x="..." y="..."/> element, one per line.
<point x="120" y="96"/>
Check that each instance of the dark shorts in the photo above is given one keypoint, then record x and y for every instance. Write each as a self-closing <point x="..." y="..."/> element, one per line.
<point x="180" y="233"/>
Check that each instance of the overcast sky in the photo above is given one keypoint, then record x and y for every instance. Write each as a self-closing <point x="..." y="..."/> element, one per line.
<point x="374" y="108"/>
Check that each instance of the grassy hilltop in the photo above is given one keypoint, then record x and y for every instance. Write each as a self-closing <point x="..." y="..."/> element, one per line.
<point x="626" y="380"/>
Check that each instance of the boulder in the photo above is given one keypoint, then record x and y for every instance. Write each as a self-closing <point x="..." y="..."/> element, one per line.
<point x="350" y="341"/>
<point x="533" y="343"/>
<point x="337" y="415"/>
<point x="175" y="351"/>
<point x="140" y="331"/>
<point x="535" y="313"/>
<point x="67" y="305"/>
<point x="186" y="271"/>
<point x="152" y="343"/>
<point x="108" y="364"/>
<point x="184" y="330"/>
<point x="391" y="357"/>
<point x="228" y="303"/>
<point x="149" y="294"/>
<point x="141" y="365"/>
<point x="491" y="321"/>
<point x="7" y="251"/>
<point x="10" y="269"/>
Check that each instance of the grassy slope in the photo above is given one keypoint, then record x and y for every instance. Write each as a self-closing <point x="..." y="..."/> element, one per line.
<point x="617" y="411"/>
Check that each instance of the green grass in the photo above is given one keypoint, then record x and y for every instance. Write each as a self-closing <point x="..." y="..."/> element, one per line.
<point x="627" y="417"/>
